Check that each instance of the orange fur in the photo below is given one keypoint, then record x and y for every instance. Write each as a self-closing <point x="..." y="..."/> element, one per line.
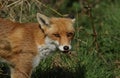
<point x="19" y="42"/>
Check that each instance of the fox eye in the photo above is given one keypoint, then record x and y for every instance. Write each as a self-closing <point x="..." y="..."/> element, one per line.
<point x="70" y="34"/>
<point x="56" y="35"/>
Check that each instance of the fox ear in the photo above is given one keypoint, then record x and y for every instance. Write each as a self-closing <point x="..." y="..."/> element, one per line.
<point x="71" y="16"/>
<point x="42" y="20"/>
<point x="73" y="20"/>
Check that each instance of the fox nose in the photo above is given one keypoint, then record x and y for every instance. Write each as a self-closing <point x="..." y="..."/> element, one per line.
<point x="66" y="47"/>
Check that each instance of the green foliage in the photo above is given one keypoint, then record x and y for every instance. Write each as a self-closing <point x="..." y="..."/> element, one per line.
<point x="85" y="61"/>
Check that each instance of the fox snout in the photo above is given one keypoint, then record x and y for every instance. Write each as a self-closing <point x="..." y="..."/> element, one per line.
<point x="65" y="48"/>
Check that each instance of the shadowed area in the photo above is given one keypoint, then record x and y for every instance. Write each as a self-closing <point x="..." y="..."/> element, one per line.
<point x="4" y="70"/>
<point x="58" y="72"/>
<point x="55" y="72"/>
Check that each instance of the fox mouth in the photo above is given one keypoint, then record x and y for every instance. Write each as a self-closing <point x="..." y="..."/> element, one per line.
<point x="65" y="51"/>
<point x="64" y="48"/>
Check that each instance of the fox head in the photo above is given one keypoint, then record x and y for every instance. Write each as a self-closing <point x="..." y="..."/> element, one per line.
<point x="59" y="30"/>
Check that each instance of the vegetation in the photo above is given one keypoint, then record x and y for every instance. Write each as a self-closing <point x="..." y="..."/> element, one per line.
<point x="96" y="46"/>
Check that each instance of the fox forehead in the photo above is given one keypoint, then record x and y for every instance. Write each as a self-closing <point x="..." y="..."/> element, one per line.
<point x="61" y="25"/>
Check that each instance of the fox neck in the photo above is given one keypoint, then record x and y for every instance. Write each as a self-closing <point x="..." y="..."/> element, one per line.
<point x="44" y="50"/>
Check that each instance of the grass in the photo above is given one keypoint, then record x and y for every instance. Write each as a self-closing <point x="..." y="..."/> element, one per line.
<point x="84" y="61"/>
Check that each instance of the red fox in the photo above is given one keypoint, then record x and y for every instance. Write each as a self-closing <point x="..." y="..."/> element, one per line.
<point x="23" y="45"/>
